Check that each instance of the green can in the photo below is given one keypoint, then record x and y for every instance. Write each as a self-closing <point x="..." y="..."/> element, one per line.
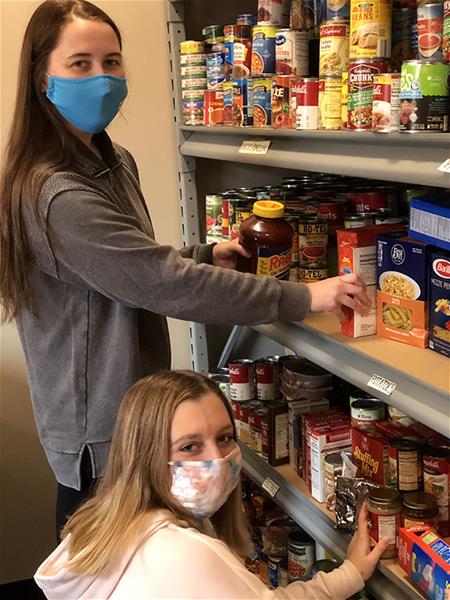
<point x="424" y="96"/>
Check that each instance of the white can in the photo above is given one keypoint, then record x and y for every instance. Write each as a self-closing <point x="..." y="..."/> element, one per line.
<point x="292" y="52"/>
<point x="305" y="103"/>
<point x="386" y="102"/>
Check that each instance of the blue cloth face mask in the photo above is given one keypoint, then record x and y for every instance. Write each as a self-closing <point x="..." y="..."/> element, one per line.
<point x="89" y="103"/>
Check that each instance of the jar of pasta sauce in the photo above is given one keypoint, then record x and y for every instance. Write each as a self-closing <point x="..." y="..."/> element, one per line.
<point x="385" y="507"/>
<point x="419" y="508"/>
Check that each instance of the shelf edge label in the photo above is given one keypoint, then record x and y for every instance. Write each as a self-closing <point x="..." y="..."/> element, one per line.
<point x="445" y="167"/>
<point x="270" y="486"/>
<point x="255" y="146"/>
<point x="381" y="384"/>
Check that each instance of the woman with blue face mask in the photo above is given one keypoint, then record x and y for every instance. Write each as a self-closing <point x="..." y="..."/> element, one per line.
<point x="81" y="271"/>
<point x="167" y="520"/>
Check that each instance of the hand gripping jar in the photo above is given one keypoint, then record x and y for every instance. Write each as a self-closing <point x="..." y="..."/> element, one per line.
<point x="268" y="236"/>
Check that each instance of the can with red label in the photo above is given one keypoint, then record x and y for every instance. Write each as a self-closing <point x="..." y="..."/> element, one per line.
<point x="281" y="113"/>
<point x="386" y="102"/>
<point x="292" y="52"/>
<point x="263" y="51"/>
<point x="228" y="103"/>
<point x="430" y="21"/>
<point x="213" y="108"/>
<point x="236" y="407"/>
<point x="365" y="201"/>
<point x="305" y="103"/>
<point x="333" y="51"/>
<point x="256" y="414"/>
<point x="267" y="382"/>
<point x="360" y="91"/>
<point x="446" y="32"/>
<point x="242" y="386"/>
<point x="333" y="212"/>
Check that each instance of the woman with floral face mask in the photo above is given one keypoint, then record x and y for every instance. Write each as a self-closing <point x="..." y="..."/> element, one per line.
<point x="81" y="271"/>
<point x="167" y="520"/>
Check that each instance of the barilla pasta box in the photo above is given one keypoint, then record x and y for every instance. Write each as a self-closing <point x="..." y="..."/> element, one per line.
<point x="357" y="254"/>
<point x="430" y="220"/>
<point x="439" y="301"/>
<point x="425" y="557"/>
<point x="402" y="290"/>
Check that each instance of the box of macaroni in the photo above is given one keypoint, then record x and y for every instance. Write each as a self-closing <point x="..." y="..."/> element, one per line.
<point x="426" y="559"/>
<point x="402" y="290"/>
<point x="439" y="301"/>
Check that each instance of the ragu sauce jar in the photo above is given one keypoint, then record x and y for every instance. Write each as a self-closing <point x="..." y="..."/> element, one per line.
<point x="268" y="236"/>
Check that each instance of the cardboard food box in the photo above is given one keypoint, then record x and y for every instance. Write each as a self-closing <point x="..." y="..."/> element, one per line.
<point x="357" y="254"/>
<point x="296" y="409"/>
<point x="275" y="433"/>
<point x="402" y="294"/>
<point x="439" y="300"/>
<point x="426" y="559"/>
<point x="370" y="449"/>
<point x="430" y="220"/>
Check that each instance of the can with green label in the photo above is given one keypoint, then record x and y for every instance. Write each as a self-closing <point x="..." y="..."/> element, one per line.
<point x="424" y="96"/>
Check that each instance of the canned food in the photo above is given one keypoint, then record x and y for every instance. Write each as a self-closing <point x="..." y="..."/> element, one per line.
<point x="237" y="51"/>
<point x="242" y="58"/>
<point x="310" y="274"/>
<point x="236" y="408"/>
<point x="292" y="52"/>
<point x="213" y="108"/>
<point x="436" y="480"/>
<point x="283" y="578"/>
<point x="354" y="221"/>
<point x="246" y="19"/>
<point x="192" y="47"/>
<point x="312" y="240"/>
<point x="326" y="565"/>
<point x="238" y="213"/>
<point x="386" y="102"/>
<point x="292" y="219"/>
<point x="263" y="50"/>
<point x="223" y="383"/>
<point x="193" y="95"/>
<point x="262" y="102"/>
<point x="364" y="412"/>
<point x="333" y="212"/>
<point x="333" y="468"/>
<point x="365" y="201"/>
<point x="404" y="36"/>
<point x="344" y="100"/>
<point x="228" y="103"/>
<point x="301" y="554"/>
<point x="281" y="116"/>
<point x="330" y="90"/>
<point x="419" y="509"/>
<point x="213" y="215"/>
<point x="313" y="16"/>
<point x="335" y="9"/>
<point x="297" y="15"/>
<point x="275" y="12"/>
<point x="193" y="112"/>
<point x="398" y="416"/>
<point x="198" y="59"/>
<point x="242" y="379"/>
<point x="370" y="29"/>
<point x="333" y="52"/>
<point x="193" y="71"/>
<point x="424" y="96"/>
<point x="241" y="114"/>
<point x="263" y="567"/>
<point x="255" y="418"/>
<point x="216" y="61"/>
<point x="360" y="91"/>
<point x="213" y="34"/>
<point x="430" y="22"/>
<point x="446" y="32"/>
<point x="305" y="103"/>
<point x="274" y="565"/>
<point x="198" y="83"/>
<point x="267" y="382"/>
<point x="405" y="460"/>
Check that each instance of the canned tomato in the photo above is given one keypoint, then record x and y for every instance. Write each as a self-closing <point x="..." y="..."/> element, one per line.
<point x="360" y="91"/>
<point x="386" y="102"/>
<point x="344" y="100"/>
<point x="333" y="51"/>
<point x="330" y="91"/>
<point x="446" y="32"/>
<point x="370" y="29"/>
<point x="262" y="102"/>
<point x="241" y="114"/>
<point x="263" y="51"/>
<point x="281" y="116"/>
<point x="364" y="412"/>
<point x="364" y="201"/>
<point x="267" y="383"/>
<point x="242" y="386"/>
<point x="406" y="463"/>
<point x="424" y="96"/>
<point x="213" y="108"/>
<point x="430" y="18"/>
<point x="335" y="9"/>
<point x="275" y="12"/>
<point x="312" y="240"/>
<point x="436" y="481"/>
<point x="404" y="36"/>
<point x="305" y="103"/>
<point x="301" y="554"/>
<point x="292" y="52"/>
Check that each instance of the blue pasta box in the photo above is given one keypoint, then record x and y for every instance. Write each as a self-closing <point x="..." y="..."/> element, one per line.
<point x="402" y="290"/>
<point x="439" y="301"/>
<point x="430" y="220"/>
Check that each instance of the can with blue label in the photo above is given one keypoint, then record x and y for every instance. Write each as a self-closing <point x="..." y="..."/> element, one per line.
<point x="246" y="19"/>
<point x="262" y="102"/>
<point x="404" y="36"/>
<point x="335" y="9"/>
<point x="274" y="565"/>
<point x="263" y="51"/>
<point x="241" y="110"/>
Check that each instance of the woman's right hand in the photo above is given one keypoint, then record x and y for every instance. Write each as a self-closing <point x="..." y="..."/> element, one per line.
<point x="334" y="294"/>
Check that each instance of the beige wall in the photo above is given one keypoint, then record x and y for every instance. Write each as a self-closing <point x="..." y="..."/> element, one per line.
<point x="27" y="485"/>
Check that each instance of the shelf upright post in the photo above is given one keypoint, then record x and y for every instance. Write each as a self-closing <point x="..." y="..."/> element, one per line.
<point x="187" y="191"/>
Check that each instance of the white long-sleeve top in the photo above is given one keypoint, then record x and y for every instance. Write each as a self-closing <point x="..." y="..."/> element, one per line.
<point x="172" y="562"/>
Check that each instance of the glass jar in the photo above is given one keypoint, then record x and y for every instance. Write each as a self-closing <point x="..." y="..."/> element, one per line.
<point x="419" y="508"/>
<point x="384" y="507"/>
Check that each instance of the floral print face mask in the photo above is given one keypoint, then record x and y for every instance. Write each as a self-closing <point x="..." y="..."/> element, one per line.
<point x="203" y="486"/>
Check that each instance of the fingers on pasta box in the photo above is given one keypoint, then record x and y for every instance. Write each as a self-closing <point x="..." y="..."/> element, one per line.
<point x="402" y="290"/>
<point x="439" y="301"/>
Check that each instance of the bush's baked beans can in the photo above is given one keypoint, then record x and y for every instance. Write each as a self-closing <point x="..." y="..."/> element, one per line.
<point x="292" y="52"/>
<point x="335" y="9"/>
<point x="404" y="36"/>
<point x="281" y="110"/>
<point x="262" y="102"/>
<point x="263" y="50"/>
<point x="213" y="108"/>
<point x="430" y="22"/>
<point x="267" y="381"/>
<point x="386" y="102"/>
<point x="424" y="96"/>
<point x="370" y="29"/>
<point x="275" y="12"/>
<point x="333" y="49"/>
<point x="305" y="103"/>
<point x="446" y="32"/>
<point x="242" y="378"/>
<point x="330" y="92"/>
<point x="360" y="91"/>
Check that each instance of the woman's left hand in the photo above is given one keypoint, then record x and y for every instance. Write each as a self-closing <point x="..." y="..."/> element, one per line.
<point x="225" y="254"/>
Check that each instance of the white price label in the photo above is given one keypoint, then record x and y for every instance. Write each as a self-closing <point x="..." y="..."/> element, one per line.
<point x="445" y="167"/>
<point x="270" y="487"/>
<point x="255" y="147"/>
<point x="382" y="384"/>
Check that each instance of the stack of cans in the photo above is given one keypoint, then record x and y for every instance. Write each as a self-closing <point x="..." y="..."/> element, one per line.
<point x="193" y="81"/>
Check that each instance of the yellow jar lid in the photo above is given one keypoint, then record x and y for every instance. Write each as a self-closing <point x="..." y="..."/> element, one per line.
<point x="269" y="209"/>
<point x="192" y="47"/>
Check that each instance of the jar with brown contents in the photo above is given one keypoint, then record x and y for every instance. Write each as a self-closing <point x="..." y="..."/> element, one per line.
<point x="384" y="507"/>
<point x="419" y="508"/>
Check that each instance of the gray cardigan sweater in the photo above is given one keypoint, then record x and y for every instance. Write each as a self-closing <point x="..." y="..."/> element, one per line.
<point x="102" y="287"/>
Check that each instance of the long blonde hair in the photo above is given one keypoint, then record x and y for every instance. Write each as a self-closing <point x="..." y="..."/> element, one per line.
<point x="136" y="480"/>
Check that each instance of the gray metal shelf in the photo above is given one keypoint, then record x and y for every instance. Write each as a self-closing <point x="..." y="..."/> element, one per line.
<point x="384" y="584"/>
<point x="396" y="157"/>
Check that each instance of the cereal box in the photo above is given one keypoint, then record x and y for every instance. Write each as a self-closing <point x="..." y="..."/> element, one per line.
<point x="430" y="220"/>
<point x="370" y="450"/>
<point x="402" y="290"/>
<point x="439" y="301"/>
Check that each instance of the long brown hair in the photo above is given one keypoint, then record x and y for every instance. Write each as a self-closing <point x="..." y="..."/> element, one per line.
<point x="39" y="144"/>
<point x="136" y="480"/>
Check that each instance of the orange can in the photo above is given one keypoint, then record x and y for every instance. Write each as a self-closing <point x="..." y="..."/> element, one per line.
<point x="281" y="108"/>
